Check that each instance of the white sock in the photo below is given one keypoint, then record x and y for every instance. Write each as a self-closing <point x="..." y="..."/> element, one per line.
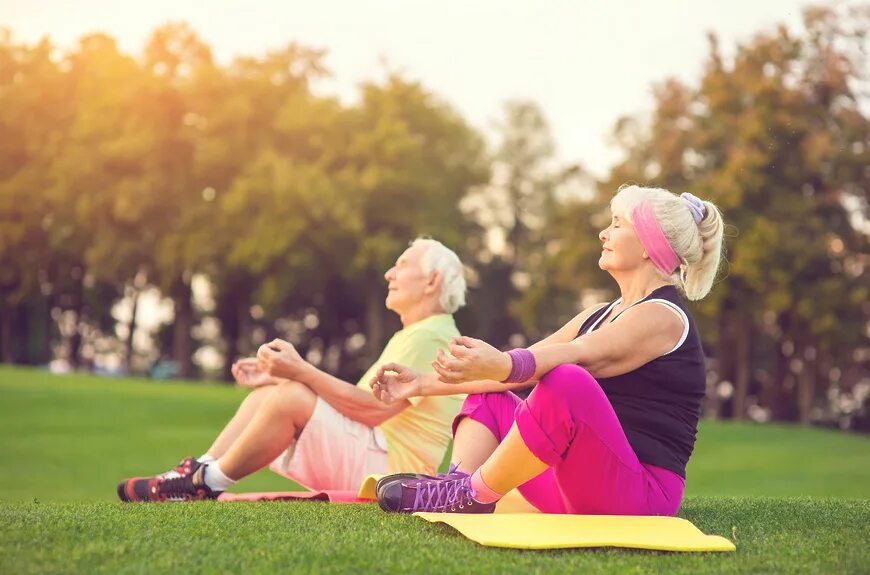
<point x="206" y="458"/>
<point x="216" y="479"/>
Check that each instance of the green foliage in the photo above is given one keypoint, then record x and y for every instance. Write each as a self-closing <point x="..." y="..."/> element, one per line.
<point x="121" y="173"/>
<point x="773" y="138"/>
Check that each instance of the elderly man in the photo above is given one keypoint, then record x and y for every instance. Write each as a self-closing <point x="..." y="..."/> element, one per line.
<point x="317" y="429"/>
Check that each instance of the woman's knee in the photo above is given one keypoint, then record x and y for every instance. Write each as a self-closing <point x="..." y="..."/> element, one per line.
<point x="494" y="410"/>
<point x="567" y="377"/>
<point x="566" y="385"/>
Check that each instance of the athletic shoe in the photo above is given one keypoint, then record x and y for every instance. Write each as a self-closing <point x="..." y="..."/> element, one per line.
<point x="435" y="495"/>
<point x="169" y="486"/>
<point x="185" y="467"/>
<point x="383" y="482"/>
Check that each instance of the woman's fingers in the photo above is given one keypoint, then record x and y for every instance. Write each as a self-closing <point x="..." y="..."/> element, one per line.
<point x="446" y="375"/>
<point x="447" y="362"/>
<point x="465" y="341"/>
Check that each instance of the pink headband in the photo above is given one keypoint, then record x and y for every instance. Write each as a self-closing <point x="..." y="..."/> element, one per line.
<point x="653" y="239"/>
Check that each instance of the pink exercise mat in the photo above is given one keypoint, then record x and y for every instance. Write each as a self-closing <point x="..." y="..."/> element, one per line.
<point x="327" y="496"/>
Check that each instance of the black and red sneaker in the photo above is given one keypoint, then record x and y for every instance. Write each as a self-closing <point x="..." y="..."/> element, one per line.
<point x="169" y="486"/>
<point x="185" y="467"/>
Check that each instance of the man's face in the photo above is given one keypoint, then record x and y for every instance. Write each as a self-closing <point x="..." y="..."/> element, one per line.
<point x="406" y="283"/>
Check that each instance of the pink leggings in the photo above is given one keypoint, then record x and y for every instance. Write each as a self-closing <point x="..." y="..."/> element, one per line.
<point x="569" y="424"/>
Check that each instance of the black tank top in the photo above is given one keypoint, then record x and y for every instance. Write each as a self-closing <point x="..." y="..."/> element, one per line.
<point x="659" y="403"/>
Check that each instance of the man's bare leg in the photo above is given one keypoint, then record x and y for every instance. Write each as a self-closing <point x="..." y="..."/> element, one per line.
<point x="240" y="420"/>
<point x="275" y="424"/>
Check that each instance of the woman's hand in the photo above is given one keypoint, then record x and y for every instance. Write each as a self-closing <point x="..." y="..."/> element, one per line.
<point x="247" y="373"/>
<point x="280" y="359"/>
<point x="472" y="360"/>
<point x="395" y="382"/>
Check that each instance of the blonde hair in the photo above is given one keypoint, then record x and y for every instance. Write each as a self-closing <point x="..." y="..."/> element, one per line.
<point x="442" y="259"/>
<point x="698" y="245"/>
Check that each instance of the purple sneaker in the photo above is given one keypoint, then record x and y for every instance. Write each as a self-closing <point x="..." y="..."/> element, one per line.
<point x="383" y="482"/>
<point x="434" y="495"/>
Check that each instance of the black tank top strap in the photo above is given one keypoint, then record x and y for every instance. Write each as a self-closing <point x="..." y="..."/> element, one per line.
<point x="594" y="317"/>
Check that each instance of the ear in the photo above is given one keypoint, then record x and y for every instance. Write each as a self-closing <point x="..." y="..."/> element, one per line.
<point x="433" y="284"/>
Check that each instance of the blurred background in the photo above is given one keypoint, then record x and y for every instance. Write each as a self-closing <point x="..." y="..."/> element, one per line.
<point x="183" y="181"/>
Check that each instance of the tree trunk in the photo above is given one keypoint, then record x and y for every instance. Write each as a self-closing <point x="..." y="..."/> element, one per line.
<point x="374" y="322"/>
<point x="775" y="395"/>
<point x="742" y="367"/>
<point x="231" y="332"/>
<point x="6" y="352"/>
<point x="75" y="340"/>
<point x="128" y="348"/>
<point x="806" y="387"/>
<point x="724" y="358"/>
<point x="182" y="343"/>
<point x="48" y="326"/>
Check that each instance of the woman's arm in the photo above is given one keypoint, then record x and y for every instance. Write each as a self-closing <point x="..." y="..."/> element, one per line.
<point x="645" y="332"/>
<point x="396" y="383"/>
<point x="431" y="385"/>
<point x="568" y="331"/>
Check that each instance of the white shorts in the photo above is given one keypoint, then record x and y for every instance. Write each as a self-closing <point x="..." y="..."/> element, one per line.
<point x="333" y="452"/>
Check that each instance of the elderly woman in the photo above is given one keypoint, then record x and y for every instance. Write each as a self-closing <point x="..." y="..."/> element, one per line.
<point x="612" y="420"/>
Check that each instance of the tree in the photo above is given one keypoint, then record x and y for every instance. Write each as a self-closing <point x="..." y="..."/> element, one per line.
<point x="776" y="139"/>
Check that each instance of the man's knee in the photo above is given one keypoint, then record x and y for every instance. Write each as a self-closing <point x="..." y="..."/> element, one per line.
<point x="293" y="399"/>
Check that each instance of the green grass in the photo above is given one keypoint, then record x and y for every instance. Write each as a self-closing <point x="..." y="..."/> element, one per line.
<point x="793" y="499"/>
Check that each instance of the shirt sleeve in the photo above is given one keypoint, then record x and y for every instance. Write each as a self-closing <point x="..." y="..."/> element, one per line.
<point x="418" y="353"/>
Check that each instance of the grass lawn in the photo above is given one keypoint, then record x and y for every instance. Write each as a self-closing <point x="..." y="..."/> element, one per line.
<point x="793" y="499"/>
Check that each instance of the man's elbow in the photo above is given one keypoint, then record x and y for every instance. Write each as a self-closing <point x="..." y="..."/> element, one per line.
<point x="377" y="417"/>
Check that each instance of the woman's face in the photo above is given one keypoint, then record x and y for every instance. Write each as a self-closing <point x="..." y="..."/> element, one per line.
<point x="621" y="249"/>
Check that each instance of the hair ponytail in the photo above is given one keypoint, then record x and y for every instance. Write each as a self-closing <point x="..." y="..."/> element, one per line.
<point x="697" y="277"/>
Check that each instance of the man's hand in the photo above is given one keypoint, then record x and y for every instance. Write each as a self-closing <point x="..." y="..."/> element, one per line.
<point x="247" y="373"/>
<point x="395" y="382"/>
<point x="472" y="360"/>
<point x="280" y="359"/>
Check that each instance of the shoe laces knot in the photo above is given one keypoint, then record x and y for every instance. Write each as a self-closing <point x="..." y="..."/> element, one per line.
<point x="438" y="496"/>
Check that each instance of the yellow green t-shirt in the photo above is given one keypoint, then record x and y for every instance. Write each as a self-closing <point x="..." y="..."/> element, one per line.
<point x="417" y="437"/>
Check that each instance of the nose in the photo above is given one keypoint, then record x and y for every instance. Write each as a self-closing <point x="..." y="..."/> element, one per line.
<point x="389" y="275"/>
<point x="602" y="235"/>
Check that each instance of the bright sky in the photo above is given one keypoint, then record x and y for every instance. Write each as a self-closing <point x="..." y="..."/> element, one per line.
<point x="585" y="63"/>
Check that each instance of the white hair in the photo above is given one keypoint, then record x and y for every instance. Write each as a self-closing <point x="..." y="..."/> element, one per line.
<point x="699" y="246"/>
<point x="442" y="259"/>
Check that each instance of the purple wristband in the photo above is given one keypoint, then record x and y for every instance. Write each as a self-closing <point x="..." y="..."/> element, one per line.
<point x="522" y="366"/>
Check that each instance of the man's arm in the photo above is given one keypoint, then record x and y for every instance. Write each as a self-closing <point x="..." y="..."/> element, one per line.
<point x="349" y="400"/>
<point x="280" y="359"/>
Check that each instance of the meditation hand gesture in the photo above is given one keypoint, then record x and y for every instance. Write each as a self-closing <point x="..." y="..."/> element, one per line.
<point x="280" y="359"/>
<point x="395" y="382"/>
<point x="247" y="373"/>
<point x="472" y="360"/>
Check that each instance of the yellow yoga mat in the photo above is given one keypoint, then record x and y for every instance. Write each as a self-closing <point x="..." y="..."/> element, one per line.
<point x="518" y="525"/>
<point x="546" y="531"/>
